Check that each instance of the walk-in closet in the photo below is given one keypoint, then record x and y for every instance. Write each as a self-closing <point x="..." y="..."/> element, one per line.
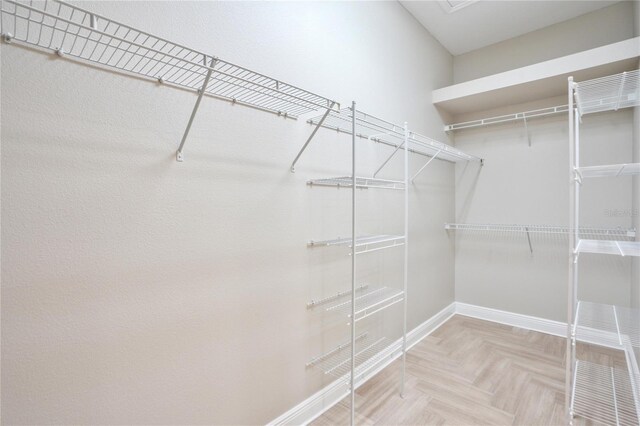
<point x="320" y="213"/>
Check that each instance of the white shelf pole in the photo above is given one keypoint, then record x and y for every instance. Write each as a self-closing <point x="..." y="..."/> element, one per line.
<point x="353" y="261"/>
<point x="406" y="257"/>
<point x="570" y="360"/>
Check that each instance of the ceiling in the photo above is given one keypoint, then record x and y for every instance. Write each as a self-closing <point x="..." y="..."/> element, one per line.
<point x="481" y="23"/>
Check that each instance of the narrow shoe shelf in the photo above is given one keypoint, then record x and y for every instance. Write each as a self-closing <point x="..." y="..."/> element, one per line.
<point x="368" y="301"/>
<point x="364" y="244"/>
<point x="361" y="182"/>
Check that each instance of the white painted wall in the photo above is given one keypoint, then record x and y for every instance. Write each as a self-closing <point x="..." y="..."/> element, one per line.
<point x="529" y="185"/>
<point x="605" y="26"/>
<point x="140" y="290"/>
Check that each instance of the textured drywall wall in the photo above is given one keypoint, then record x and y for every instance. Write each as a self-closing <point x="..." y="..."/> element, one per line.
<point x="138" y="290"/>
<point x="522" y="184"/>
<point x="605" y="26"/>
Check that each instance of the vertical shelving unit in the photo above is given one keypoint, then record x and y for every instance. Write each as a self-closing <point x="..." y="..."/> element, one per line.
<point x="356" y="359"/>
<point x="600" y="393"/>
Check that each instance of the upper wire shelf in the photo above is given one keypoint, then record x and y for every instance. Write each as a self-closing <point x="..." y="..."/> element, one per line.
<point x="608" y="93"/>
<point x="604" y="394"/>
<point x="609" y="170"/>
<point x="382" y="131"/>
<point x="590" y="232"/>
<point x="368" y="301"/>
<point x="364" y="244"/>
<point x="519" y="116"/>
<point x="77" y="33"/>
<point x="620" y="248"/>
<point x="361" y="182"/>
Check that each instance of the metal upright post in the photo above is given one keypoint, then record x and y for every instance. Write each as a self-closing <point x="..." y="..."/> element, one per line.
<point x="406" y="255"/>
<point x="573" y="259"/>
<point x="353" y="261"/>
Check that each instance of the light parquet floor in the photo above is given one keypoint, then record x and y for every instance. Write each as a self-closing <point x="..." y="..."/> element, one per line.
<point x="472" y="372"/>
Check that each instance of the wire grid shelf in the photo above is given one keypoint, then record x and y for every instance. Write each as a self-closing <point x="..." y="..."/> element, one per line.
<point x="609" y="170"/>
<point x="608" y="93"/>
<point x="368" y="301"/>
<point x="79" y="34"/>
<point x="607" y="324"/>
<point x="368" y="352"/>
<point x="520" y="116"/>
<point x="364" y="244"/>
<point x="382" y="131"/>
<point x="361" y="182"/>
<point x="590" y="232"/>
<point x="620" y="248"/>
<point x="604" y="394"/>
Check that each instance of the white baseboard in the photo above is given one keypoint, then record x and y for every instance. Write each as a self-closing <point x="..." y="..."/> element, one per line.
<point x="542" y="325"/>
<point x="312" y="407"/>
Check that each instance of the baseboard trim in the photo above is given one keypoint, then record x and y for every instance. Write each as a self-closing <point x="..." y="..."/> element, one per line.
<point x="313" y="407"/>
<point x="542" y="325"/>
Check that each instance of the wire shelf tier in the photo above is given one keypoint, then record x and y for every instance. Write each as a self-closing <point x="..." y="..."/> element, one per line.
<point x="591" y="232"/>
<point x="520" y="116"/>
<point x="604" y="394"/>
<point x="368" y="301"/>
<point x="364" y="244"/>
<point x="361" y="182"/>
<point x="382" y="131"/>
<point x="77" y="33"/>
<point x="608" y="325"/>
<point x="608" y="93"/>
<point x="368" y="352"/>
<point x="620" y="248"/>
<point x="610" y="170"/>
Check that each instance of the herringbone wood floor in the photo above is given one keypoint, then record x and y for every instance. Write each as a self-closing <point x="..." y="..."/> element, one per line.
<point x="472" y="372"/>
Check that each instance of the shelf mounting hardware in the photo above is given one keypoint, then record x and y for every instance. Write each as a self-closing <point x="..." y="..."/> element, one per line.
<point x="526" y="229"/>
<point x="313" y="133"/>
<point x="179" y="156"/>
<point x="384" y="163"/>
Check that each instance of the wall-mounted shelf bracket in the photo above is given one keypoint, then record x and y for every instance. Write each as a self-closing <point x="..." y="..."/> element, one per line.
<point x="425" y="166"/>
<point x="179" y="156"/>
<point x="313" y="133"/>
<point x="384" y="163"/>
<point x="526" y="130"/>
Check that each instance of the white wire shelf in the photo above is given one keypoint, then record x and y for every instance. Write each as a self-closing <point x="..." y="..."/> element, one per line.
<point x="382" y="131"/>
<point x="368" y="301"/>
<point x="364" y="244"/>
<point x="361" y="182"/>
<point x="80" y="34"/>
<point x="608" y="93"/>
<point x="607" y="325"/>
<point x="337" y="362"/>
<point x="519" y="116"/>
<point x="620" y="248"/>
<point x="610" y="170"/>
<point x="591" y="232"/>
<point x="604" y="394"/>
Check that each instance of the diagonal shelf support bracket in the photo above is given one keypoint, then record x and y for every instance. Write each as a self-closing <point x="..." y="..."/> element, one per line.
<point x="526" y="229"/>
<point x="179" y="156"/>
<point x="425" y="166"/>
<point x="384" y="163"/>
<point x="526" y="129"/>
<point x="313" y="133"/>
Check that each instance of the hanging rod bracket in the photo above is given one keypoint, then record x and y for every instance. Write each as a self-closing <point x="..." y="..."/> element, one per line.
<point x="313" y="133"/>
<point x="7" y="37"/>
<point x="201" y="91"/>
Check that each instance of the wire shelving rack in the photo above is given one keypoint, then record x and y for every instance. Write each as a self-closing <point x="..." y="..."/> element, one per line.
<point x="79" y="34"/>
<point x="507" y="118"/>
<point x="598" y="392"/>
<point x="352" y="361"/>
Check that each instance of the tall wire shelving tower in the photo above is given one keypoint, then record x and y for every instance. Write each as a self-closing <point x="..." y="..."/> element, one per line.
<point x="601" y="393"/>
